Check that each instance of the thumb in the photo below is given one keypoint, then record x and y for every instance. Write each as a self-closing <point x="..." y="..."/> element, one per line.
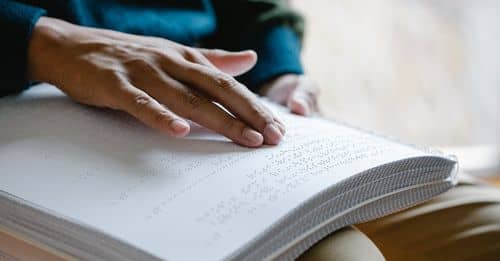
<point x="232" y="63"/>
<point x="304" y="99"/>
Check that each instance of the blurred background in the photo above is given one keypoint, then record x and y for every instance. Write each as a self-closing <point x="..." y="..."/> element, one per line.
<point x="424" y="71"/>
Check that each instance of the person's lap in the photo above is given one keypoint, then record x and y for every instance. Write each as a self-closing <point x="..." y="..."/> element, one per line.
<point x="463" y="223"/>
<point x="347" y="244"/>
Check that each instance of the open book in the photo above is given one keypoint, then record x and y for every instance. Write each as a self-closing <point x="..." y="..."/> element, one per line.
<point x="97" y="184"/>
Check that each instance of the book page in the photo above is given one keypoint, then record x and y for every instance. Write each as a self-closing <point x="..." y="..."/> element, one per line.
<point x="201" y="197"/>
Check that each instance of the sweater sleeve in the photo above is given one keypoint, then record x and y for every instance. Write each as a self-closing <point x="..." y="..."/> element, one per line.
<point x="269" y="27"/>
<point x="16" y="23"/>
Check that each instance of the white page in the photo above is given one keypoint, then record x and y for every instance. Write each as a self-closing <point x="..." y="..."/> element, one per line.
<point x="201" y="197"/>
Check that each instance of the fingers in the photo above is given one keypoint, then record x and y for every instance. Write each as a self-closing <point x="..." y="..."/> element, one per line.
<point x="232" y="63"/>
<point x="194" y="106"/>
<point x="232" y="95"/>
<point x="303" y="99"/>
<point x="297" y="92"/>
<point x="299" y="106"/>
<point x="150" y="112"/>
<point x="199" y="109"/>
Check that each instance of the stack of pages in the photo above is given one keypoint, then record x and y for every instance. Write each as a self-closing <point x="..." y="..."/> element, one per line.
<point x="96" y="184"/>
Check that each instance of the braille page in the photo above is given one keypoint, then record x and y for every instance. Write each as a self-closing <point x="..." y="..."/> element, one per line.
<point x="201" y="197"/>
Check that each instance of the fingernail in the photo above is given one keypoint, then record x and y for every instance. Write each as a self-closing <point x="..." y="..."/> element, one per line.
<point x="272" y="133"/>
<point x="179" y="126"/>
<point x="252" y="136"/>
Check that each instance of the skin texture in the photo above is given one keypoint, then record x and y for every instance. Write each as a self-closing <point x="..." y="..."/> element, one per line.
<point x="297" y="92"/>
<point x="162" y="83"/>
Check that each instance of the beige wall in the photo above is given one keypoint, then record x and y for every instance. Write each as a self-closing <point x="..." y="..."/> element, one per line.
<point x="405" y="68"/>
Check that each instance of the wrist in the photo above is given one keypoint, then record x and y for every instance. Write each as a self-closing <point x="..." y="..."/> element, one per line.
<point x="46" y="39"/>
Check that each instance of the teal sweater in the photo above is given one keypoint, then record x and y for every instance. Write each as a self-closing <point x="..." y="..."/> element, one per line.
<point x="268" y="27"/>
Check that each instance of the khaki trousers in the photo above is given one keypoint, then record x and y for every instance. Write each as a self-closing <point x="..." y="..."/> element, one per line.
<point x="461" y="224"/>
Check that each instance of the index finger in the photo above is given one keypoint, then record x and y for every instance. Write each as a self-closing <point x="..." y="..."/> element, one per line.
<point x="234" y="96"/>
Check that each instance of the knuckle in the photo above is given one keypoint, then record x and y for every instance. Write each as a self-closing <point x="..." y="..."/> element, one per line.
<point x="195" y="100"/>
<point x="161" y="116"/>
<point x="191" y="69"/>
<point x="141" y="64"/>
<point x="161" y="56"/>
<point x="141" y="102"/>
<point x="110" y="75"/>
<point x="189" y="54"/>
<point x="254" y="109"/>
<point x="260" y="114"/>
<point x="225" y="81"/>
<point x="229" y="124"/>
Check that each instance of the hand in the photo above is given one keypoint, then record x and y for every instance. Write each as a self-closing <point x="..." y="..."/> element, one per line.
<point x="298" y="92"/>
<point x="159" y="82"/>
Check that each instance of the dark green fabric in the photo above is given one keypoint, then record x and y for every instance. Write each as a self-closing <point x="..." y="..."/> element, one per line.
<point x="269" y="27"/>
